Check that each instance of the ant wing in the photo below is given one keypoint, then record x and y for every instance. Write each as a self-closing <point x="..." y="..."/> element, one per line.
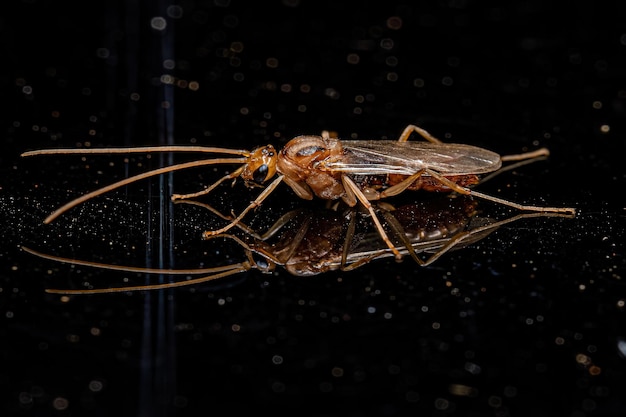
<point x="372" y="157"/>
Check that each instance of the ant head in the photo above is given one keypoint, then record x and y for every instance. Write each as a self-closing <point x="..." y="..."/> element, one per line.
<point x="261" y="166"/>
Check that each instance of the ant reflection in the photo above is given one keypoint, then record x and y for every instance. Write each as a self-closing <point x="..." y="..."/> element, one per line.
<point x="308" y="242"/>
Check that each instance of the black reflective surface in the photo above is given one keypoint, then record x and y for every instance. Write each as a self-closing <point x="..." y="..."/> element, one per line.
<point x="529" y="320"/>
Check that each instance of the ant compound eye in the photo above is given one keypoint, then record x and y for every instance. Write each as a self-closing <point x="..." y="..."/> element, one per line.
<point x="263" y="264"/>
<point x="260" y="174"/>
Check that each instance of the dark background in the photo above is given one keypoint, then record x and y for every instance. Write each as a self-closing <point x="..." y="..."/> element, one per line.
<point x="528" y="321"/>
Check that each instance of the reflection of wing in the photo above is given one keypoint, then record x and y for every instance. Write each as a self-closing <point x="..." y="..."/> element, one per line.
<point x="370" y="244"/>
<point x="370" y="157"/>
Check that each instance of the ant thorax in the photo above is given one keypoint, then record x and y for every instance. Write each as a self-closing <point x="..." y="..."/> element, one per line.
<point x="302" y="160"/>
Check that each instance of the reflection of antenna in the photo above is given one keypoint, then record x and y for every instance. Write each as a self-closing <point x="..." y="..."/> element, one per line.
<point x="308" y="242"/>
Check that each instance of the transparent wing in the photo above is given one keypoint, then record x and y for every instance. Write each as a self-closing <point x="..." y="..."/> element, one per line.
<point x="372" y="157"/>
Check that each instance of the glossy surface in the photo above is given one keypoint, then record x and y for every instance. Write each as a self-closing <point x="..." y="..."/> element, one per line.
<point x="529" y="321"/>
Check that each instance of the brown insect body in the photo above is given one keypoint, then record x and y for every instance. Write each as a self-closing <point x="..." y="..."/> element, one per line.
<point x="356" y="171"/>
<point x="323" y="241"/>
<point x="314" y="165"/>
<point x="302" y="162"/>
<point x="316" y="251"/>
<point x="436" y="218"/>
<point x="424" y="183"/>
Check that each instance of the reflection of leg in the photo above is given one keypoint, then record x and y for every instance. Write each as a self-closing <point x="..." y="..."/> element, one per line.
<point x="482" y="231"/>
<point x="257" y="202"/>
<point x="350" y="231"/>
<point x="280" y="223"/>
<point x="359" y="263"/>
<point x="295" y="242"/>
<point x="399" y="232"/>
<point x="219" y="214"/>
<point x="349" y="237"/>
<point x="354" y="189"/>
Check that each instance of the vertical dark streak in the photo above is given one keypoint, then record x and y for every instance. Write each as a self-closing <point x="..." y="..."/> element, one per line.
<point x="158" y="365"/>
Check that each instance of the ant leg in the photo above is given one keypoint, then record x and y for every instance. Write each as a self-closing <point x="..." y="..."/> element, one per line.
<point x="539" y="153"/>
<point x="350" y="186"/>
<point x="207" y="190"/>
<point x="520" y="160"/>
<point x="422" y="132"/>
<point x="346" y="247"/>
<point x="398" y="231"/>
<point x="401" y="186"/>
<point x="363" y="261"/>
<point x="564" y="210"/>
<point x="257" y="202"/>
<point x="466" y="191"/>
<point x="394" y="189"/>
